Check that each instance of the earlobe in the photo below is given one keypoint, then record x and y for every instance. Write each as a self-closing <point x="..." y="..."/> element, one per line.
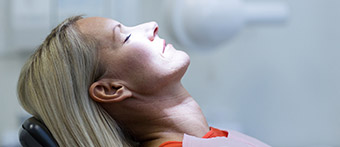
<point x="107" y="91"/>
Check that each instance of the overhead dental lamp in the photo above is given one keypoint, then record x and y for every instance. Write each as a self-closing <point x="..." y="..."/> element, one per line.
<point x="208" y="23"/>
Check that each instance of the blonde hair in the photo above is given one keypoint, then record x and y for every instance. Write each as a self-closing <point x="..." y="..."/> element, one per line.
<point x="53" y="86"/>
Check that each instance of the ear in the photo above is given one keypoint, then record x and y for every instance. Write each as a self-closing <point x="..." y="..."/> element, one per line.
<point x="108" y="91"/>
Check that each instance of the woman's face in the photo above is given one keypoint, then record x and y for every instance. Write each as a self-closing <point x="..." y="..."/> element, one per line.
<point x="136" y="55"/>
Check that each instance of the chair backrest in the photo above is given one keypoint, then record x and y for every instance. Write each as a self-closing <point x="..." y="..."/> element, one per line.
<point x="34" y="133"/>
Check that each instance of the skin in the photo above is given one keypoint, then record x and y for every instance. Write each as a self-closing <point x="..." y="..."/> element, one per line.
<point x="140" y="86"/>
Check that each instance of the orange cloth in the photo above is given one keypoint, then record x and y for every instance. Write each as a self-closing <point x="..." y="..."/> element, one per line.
<point x="211" y="134"/>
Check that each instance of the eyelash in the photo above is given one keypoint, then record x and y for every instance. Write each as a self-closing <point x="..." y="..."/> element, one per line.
<point x="127" y="38"/>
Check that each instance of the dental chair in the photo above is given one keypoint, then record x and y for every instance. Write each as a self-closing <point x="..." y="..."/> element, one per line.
<point x="33" y="133"/>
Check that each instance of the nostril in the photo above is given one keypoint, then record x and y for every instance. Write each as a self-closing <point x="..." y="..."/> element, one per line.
<point x="155" y="32"/>
<point x="152" y="30"/>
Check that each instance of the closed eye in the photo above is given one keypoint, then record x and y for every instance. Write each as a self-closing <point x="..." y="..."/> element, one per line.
<point x="127" y="38"/>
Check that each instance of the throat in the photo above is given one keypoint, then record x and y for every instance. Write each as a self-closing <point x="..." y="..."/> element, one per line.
<point x="172" y="123"/>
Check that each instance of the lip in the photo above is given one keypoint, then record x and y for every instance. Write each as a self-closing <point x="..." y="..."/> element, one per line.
<point x="164" y="45"/>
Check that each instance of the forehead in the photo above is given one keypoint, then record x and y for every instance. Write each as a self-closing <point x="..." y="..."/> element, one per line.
<point x="99" y="27"/>
<point x="93" y="25"/>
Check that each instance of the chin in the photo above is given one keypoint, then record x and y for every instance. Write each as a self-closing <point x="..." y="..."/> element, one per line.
<point x="186" y="58"/>
<point x="185" y="62"/>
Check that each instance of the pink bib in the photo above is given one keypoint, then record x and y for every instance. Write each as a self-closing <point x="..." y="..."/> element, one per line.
<point x="234" y="139"/>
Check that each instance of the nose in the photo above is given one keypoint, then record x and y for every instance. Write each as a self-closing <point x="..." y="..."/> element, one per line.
<point x="151" y="29"/>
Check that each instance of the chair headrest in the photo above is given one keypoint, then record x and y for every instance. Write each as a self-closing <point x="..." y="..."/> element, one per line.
<point x="34" y="133"/>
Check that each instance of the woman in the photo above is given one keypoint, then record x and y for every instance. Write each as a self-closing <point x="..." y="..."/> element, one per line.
<point x="96" y="82"/>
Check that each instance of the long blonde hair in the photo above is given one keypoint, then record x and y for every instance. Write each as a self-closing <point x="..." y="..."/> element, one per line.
<point x="53" y="86"/>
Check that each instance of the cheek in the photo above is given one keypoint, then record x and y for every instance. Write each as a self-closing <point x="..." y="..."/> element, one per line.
<point x="136" y="62"/>
<point x="142" y="54"/>
<point x="138" y="58"/>
<point x="140" y="71"/>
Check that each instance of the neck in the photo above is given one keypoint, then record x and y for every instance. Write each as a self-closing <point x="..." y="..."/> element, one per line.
<point x="161" y="117"/>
